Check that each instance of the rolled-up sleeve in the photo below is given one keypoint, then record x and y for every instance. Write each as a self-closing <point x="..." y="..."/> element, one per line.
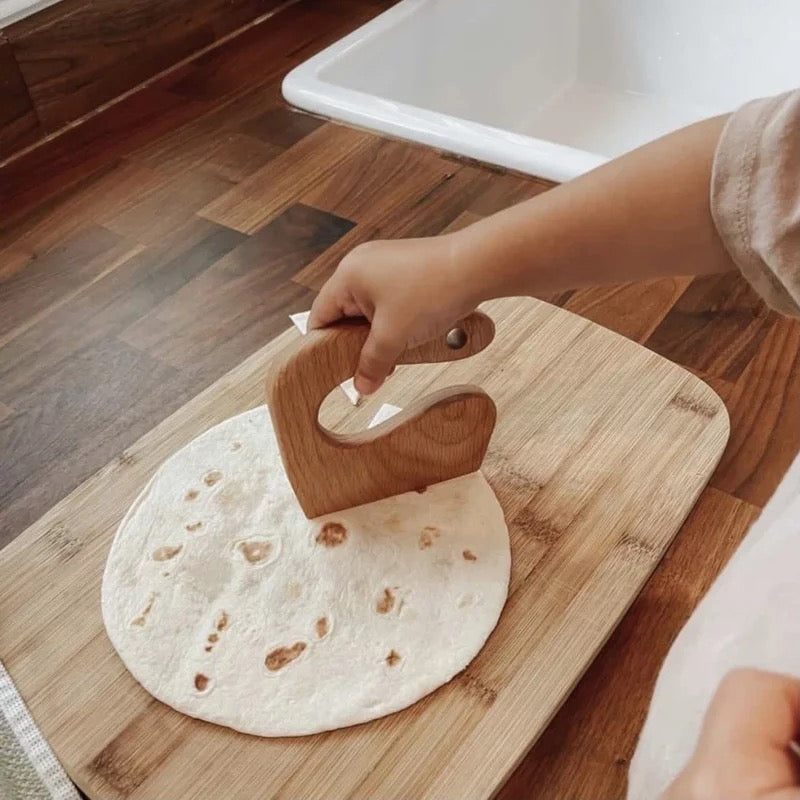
<point x="755" y="197"/>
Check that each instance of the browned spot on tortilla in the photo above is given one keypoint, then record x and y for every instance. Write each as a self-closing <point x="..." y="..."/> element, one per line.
<point x="393" y="658"/>
<point x="465" y="600"/>
<point x="222" y="622"/>
<point x="332" y="534"/>
<point x="194" y="526"/>
<point x="142" y="618"/>
<point x="321" y="626"/>
<point x="167" y="552"/>
<point x="420" y="490"/>
<point x="469" y="555"/>
<point x="208" y="648"/>
<point x="191" y="494"/>
<point x="293" y="590"/>
<point x="210" y="478"/>
<point x="386" y="602"/>
<point x="236" y="445"/>
<point x="429" y="532"/>
<point x="200" y="682"/>
<point x="213" y="637"/>
<point x="281" y="656"/>
<point x="229" y="495"/>
<point x="254" y="552"/>
<point x="393" y="523"/>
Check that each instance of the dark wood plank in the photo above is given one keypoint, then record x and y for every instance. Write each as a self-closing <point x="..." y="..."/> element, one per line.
<point x="258" y="57"/>
<point x="237" y="157"/>
<point x="77" y="261"/>
<point x="765" y="424"/>
<point x="12" y="260"/>
<point x="86" y="150"/>
<point x="634" y="310"/>
<point x="379" y="178"/>
<point x="192" y="144"/>
<point x="19" y="124"/>
<point x="76" y="419"/>
<point x="586" y="750"/>
<point x="716" y="326"/>
<point x="424" y="215"/>
<point x="101" y="196"/>
<point x="105" y="263"/>
<point x="242" y="302"/>
<point x="267" y="51"/>
<point x="107" y="306"/>
<point x="168" y="207"/>
<point x="77" y="62"/>
<point x="285" y="179"/>
<point x="45" y="16"/>
<point x="281" y="126"/>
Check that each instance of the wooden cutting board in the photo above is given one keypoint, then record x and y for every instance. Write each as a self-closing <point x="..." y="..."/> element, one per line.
<point x="601" y="449"/>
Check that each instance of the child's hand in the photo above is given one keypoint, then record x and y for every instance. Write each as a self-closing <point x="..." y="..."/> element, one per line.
<point x="411" y="290"/>
<point x="642" y="216"/>
<point x="743" y="751"/>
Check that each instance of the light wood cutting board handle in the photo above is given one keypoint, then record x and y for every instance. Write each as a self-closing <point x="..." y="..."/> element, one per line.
<point x="440" y="436"/>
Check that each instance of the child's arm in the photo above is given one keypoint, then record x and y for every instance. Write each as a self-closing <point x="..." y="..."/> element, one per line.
<point x="644" y="215"/>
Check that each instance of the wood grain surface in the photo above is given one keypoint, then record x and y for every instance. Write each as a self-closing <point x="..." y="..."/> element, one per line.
<point x="73" y="58"/>
<point x="19" y="124"/>
<point x="74" y="350"/>
<point x="595" y="472"/>
<point x="439" y="436"/>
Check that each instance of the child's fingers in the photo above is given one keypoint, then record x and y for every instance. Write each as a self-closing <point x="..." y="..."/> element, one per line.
<point x="378" y="356"/>
<point x="753" y="710"/>
<point x="324" y="311"/>
<point x="743" y="750"/>
<point x="326" y="308"/>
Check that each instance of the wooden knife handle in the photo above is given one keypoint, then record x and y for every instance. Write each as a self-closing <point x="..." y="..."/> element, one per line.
<point x="440" y="436"/>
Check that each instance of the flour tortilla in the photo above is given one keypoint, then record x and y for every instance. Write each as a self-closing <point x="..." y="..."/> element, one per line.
<point x="227" y="604"/>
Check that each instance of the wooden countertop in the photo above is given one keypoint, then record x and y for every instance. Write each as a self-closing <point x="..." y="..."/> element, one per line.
<point x="116" y="234"/>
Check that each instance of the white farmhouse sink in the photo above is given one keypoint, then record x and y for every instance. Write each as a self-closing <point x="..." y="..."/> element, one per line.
<point x="551" y="87"/>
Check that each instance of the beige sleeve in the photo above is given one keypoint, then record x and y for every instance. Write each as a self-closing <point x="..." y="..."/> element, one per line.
<point x="755" y="196"/>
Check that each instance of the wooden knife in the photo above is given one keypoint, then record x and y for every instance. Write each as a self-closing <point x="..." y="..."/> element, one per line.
<point x="440" y="436"/>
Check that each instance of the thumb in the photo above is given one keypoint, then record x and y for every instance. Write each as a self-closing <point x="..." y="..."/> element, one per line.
<point x="378" y="356"/>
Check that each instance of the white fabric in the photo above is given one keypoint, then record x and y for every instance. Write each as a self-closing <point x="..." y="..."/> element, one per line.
<point x="749" y="618"/>
<point x="33" y="753"/>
